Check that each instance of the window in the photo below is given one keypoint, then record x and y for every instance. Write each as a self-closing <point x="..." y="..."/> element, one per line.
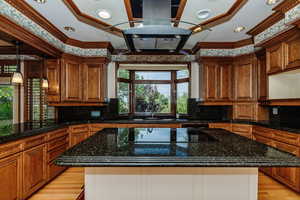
<point x="152" y="93"/>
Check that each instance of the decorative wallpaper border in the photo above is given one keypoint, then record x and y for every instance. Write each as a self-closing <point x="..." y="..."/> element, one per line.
<point x="19" y="18"/>
<point x="293" y="14"/>
<point x="279" y="27"/>
<point x="153" y="58"/>
<point x="226" y="52"/>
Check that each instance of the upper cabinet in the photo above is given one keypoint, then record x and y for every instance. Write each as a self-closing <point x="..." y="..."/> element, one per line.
<point x="77" y="81"/>
<point x="94" y="86"/>
<point x="71" y="81"/>
<point x="53" y="74"/>
<point x="292" y="50"/>
<point x="285" y="55"/>
<point x="245" y="78"/>
<point x="275" y="58"/>
<point x="217" y="81"/>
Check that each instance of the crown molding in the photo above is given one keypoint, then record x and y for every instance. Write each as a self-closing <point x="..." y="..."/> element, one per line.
<point x="222" y="45"/>
<point x="286" y="5"/>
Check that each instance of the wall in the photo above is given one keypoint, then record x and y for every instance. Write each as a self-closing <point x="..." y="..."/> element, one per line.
<point x="111" y="80"/>
<point x="284" y="85"/>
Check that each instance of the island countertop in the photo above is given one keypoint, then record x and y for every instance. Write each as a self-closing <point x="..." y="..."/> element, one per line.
<point x="165" y="147"/>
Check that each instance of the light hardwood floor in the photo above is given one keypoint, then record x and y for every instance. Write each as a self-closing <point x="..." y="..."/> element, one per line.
<point x="69" y="185"/>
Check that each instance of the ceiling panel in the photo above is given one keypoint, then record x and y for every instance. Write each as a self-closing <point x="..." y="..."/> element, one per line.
<point x="115" y="7"/>
<point x="245" y="17"/>
<point x="216" y="7"/>
<point x="59" y="15"/>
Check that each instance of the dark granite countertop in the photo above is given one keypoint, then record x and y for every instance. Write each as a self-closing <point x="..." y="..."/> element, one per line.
<point x="164" y="147"/>
<point x="15" y="132"/>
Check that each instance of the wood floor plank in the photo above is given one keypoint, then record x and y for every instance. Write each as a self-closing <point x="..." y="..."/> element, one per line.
<point x="68" y="186"/>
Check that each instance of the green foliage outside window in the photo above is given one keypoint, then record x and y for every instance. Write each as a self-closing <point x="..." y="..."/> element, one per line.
<point x="6" y="104"/>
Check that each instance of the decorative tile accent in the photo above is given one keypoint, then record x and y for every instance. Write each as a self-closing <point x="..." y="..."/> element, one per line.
<point x="271" y="31"/>
<point x="19" y="18"/>
<point x="293" y="14"/>
<point x="227" y="52"/>
<point x="13" y="57"/>
<point x="153" y="58"/>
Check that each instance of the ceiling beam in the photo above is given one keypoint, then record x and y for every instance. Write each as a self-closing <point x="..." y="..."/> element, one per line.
<point x="180" y="10"/>
<point x="129" y="12"/>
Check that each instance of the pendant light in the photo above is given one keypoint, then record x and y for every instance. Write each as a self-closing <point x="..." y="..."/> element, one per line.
<point x="17" y="77"/>
<point x="45" y="82"/>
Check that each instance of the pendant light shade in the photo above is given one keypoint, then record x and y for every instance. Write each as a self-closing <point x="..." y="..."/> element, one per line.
<point x="17" y="77"/>
<point x="45" y="83"/>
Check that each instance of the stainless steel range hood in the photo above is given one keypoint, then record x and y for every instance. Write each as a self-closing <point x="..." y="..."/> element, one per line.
<point x="156" y="33"/>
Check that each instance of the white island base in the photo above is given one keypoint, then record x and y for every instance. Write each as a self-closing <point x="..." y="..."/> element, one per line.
<point x="167" y="183"/>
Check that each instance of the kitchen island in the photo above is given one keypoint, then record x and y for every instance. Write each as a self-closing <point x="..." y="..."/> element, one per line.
<point x="164" y="163"/>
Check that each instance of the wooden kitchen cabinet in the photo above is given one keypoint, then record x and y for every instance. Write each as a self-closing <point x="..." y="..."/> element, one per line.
<point x="71" y="81"/>
<point x="94" y="82"/>
<point x="275" y="58"/>
<point x="218" y="78"/>
<point x="34" y="169"/>
<point x="292" y="52"/>
<point x="53" y="75"/>
<point x="245" y="79"/>
<point x="225" y="126"/>
<point x="243" y="130"/>
<point x="243" y="111"/>
<point x="262" y="82"/>
<point x="78" y="134"/>
<point x="11" y="177"/>
<point x="289" y="176"/>
<point x="211" y="81"/>
<point x="225" y="82"/>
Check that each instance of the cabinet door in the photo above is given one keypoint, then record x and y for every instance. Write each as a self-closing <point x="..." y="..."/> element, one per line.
<point x="292" y="48"/>
<point x="243" y="111"/>
<point x="78" y="137"/>
<point x="53" y="75"/>
<point x="244" y="80"/>
<point x="289" y="176"/>
<point x="93" y="83"/>
<point x="267" y="141"/>
<point x="10" y="173"/>
<point x="71" y="81"/>
<point x="262" y="78"/>
<point x="275" y="59"/>
<point x="211" y="81"/>
<point x="34" y="169"/>
<point x="225" y="82"/>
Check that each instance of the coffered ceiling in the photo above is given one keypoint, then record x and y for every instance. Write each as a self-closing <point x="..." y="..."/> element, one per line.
<point x="225" y="16"/>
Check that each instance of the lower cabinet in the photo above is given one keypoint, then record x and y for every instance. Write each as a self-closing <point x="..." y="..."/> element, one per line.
<point x="11" y="180"/>
<point x="243" y="130"/>
<point x="34" y="169"/>
<point x="78" y="134"/>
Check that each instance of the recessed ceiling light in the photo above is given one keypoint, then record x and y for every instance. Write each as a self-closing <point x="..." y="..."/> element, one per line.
<point x="41" y="1"/>
<point x="69" y="28"/>
<point x="203" y="14"/>
<point x="104" y="14"/>
<point x="272" y="2"/>
<point x="135" y="36"/>
<point x="138" y="50"/>
<point x="177" y="36"/>
<point x="239" y="29"/>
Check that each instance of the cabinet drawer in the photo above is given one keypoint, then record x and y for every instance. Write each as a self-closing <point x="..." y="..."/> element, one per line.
<point x="79" y="128"/>
<point x="56" y="134"/>
<point x="287" y="147"/>
<point x="34" y="141"/>
<point x="286" y="137"/>
<point x="54" y="170"/>
<point x="265" y="132"/>
<point x="241" y="128"/>
<point x="263" y="140"/>
<point x="226" y="126"/>
<point x="10" y="148"/>
<point x="57" y="142"/>
<point x="56" y="152"/>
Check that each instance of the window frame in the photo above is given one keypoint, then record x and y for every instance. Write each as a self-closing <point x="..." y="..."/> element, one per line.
<point x="173" y="83"/>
